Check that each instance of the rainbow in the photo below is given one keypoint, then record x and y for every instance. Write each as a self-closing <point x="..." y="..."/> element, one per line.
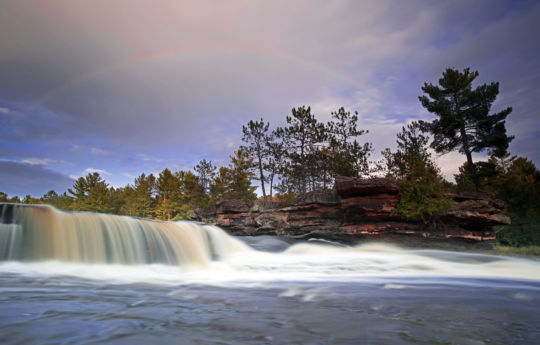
<point x="182" y="50"/>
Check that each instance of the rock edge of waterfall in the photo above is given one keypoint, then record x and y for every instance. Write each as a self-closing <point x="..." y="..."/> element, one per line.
<point x="361" y="209"/>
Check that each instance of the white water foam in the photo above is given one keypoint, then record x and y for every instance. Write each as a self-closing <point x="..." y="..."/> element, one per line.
<point x="126" y="250"/>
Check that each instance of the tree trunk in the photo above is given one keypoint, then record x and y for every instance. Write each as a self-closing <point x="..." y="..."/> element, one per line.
<point x="262" y="178"/>
<point x="271" y="185"/>
<point x="470" y="164"/>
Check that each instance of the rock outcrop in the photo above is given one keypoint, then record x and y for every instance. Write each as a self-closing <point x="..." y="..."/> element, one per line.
<point x="360" y="209"/>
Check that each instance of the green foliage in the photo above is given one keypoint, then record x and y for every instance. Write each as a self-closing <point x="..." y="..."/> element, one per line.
<point x="168" y="194"/>
<point x="276" y="160"/>
<point x="521" y="233"/>
<point x="347" y="156"/>
<point x="240" y="175"/>
<point x="516" y="181"/>
<point x="256" y="136"/>
<point x="422" y="195"/>
<point x="91" y="194"/>
<point x="301" y="138"/>
<point x="313" y="153"/>
<point x="510" y="250"/>
<point x="206" y="172"/>
<point x="422" y="189"/>
<point x="464" y="121"/>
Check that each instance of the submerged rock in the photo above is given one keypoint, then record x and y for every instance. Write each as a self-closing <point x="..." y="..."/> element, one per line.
<point x="361" y="209"/>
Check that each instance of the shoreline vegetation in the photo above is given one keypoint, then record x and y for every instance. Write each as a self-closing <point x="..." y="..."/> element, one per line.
<point x="306" y="155"/>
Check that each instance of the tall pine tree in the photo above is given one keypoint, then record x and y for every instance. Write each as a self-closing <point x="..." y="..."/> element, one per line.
<point x="464" y="121"/>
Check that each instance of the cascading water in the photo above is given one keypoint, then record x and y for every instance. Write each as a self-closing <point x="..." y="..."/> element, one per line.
<point x="70" y="278"/>
<point x="40" y="232"/>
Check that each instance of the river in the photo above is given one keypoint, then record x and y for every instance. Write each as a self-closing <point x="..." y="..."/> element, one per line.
<point x="249" y="290"/>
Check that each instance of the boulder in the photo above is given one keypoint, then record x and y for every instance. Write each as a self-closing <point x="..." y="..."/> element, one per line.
<point x="317" y="197"/>
<point x="233" y="206"/>
<point x="351" y="186"/>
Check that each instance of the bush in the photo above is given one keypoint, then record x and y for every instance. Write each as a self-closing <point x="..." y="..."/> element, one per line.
<point x="422" y="194"/>
<point x="522" y="232"/>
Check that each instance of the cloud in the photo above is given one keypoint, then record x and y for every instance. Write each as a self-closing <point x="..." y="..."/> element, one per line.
<point x="21" y="179"/>
<point x="90" y="171"/>
<point x="44" y="161"/>
<point x="4" y="111"/>
<point x="98" y="151"/>
<point x="173" y="82"/>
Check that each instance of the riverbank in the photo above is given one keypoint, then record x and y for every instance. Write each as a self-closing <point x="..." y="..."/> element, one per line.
<point x="362" y="210"/>
<point x="517" y="251"/>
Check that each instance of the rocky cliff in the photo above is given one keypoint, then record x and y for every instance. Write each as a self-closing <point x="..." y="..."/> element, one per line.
<point x="360" y="209"/>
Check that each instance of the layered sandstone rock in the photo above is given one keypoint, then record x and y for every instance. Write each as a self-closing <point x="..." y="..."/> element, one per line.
<point x="360" y="209"/>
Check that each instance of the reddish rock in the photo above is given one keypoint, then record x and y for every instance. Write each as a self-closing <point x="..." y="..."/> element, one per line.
<point x="360" y="209"/>
<point x="317" y="197"/>
<point x="351" y="186"/>
<point x="233" y="206"/>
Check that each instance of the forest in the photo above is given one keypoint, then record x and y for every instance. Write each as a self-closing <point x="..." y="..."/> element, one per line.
<point x="306" y="155"/>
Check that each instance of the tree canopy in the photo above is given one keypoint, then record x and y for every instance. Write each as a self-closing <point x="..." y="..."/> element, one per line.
<point x="463" y="114"/>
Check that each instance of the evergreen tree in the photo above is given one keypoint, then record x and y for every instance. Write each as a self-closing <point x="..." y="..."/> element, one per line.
<point x="168" y="194"/>
<point x="412" y="149"/>
<point x="347" y="156"/>
<point x="219" y="188"/>
<point x="129" y="198"/>
<point x="464" y="121"/>
<point x="144" y="188"/>
<point x="241" y="173"/>
<point x="192" y="194"/>
<point x="275" y="162"/>
<point x="302" y="137"/>
<point x="255" y="135"/>
<point x="91" y="193"/>
<point x="206" y="171"/>
<point x="51" y="197"/>
<point x="422" y="194"/>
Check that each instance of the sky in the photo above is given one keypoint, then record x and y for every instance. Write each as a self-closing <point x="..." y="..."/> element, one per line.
<point x="126" y="87"/>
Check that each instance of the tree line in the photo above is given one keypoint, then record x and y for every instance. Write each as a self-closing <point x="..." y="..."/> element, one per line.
<point x="306" y="155"/>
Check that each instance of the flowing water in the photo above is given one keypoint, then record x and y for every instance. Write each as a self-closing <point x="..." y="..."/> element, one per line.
<point x="82" y="278"/>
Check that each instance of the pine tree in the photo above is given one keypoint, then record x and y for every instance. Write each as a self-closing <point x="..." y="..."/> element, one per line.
<point x="219" y="187"/>
<point x="255" y="135"/>
<point x="144" y="188"/>
<point x="301" y="138"/>
<point x="168" y="193"/>
<point x="241" y="173"/>
<point x="347" y="156"/>
<point x="91" y="194"/>
<point x="422" y="194"/>
<point x="206" y="171"/>
<point x="464" y="121"/>
<point x="275" y="160"/>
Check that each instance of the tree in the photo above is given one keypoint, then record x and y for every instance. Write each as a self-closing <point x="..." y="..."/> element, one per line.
<point x="301" y="138"/>
<point x="192" y="194"/>
<point x="219" y="188"/>
<point x="51" y="197"/>
<point x="348" y="156"/>
<point x="206" y="172"/>
<point x="91" y="193"/>
<point x="167" y="190"/>
<point x="412" y="149"/>
<point x="275" y="160"/>
<point x="139" y="198"/>
<point x="464" y="121"/>
<point x="422" y="194"/>
<point x="241" y="173"/>
<point x="255" y="134"/>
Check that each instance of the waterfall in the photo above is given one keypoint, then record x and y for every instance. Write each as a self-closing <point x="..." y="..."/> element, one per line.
<point x="40" y="232"/>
